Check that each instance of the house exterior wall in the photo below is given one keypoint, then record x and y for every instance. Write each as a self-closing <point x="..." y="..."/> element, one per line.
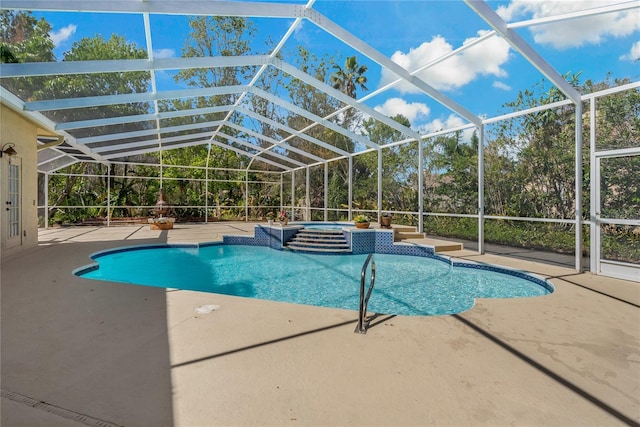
<point x="22" y="132"/>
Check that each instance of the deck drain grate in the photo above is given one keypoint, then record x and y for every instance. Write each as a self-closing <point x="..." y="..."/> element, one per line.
<point x="56" y="410"/>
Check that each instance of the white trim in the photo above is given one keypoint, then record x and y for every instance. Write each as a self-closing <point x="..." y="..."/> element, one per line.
<point x="168" y="7"/>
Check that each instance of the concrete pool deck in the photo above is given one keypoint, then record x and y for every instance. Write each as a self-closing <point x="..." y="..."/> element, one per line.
<point x="80" y="352"/>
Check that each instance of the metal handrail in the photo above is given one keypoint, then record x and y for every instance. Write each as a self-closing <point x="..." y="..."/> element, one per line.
<point x="363" y="324"/>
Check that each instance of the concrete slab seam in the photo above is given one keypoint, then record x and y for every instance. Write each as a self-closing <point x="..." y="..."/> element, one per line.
<point x="64" y="413"/>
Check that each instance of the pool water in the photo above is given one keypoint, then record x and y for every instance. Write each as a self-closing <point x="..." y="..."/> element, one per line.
<point x="405" y="285"/>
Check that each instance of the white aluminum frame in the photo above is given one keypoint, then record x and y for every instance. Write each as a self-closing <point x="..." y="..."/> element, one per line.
<point x="93" y="148"/>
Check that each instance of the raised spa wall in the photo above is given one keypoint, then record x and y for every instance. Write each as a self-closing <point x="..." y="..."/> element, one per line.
<point x="361" y="241"/>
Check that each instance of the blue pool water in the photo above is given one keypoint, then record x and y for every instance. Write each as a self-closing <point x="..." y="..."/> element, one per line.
<point x="405" y="285"/>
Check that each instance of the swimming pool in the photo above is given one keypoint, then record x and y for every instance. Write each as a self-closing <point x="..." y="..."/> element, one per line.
<point x="405" y="285"/>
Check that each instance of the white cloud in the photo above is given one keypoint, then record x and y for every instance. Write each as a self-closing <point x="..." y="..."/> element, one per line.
<point x="501" y="85"/>
<point x="298" y="27"/>
<point x="63" y="34"/>
<point x="485" y="58"/>
<point x="436" y="125"/>
<point x="164" y="53"/>
<point x="300" y="35"/>
<point x="574" y="32"/>
<point x="634" y="53"/>
<point x="395" y="106"/>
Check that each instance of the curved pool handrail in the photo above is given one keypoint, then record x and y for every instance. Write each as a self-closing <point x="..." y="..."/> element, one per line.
<point x="363" y="324"/>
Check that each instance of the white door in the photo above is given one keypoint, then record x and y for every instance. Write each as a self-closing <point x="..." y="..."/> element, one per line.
<point x="617" y="228"/>
<point x="12" y="204"/>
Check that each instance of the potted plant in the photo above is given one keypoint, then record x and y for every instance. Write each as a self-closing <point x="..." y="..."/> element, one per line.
<point x="161" y="223"/>
<point x="385" y="220"/>
<point x="284" y="219"/>
<point x="361" y="221"/>
<point x="270" y="217"/>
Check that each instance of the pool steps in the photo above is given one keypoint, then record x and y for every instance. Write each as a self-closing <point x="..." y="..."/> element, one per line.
<point x="401" y="233"/>
<point x="409" y="234"/>
<point x="319" y="240"/>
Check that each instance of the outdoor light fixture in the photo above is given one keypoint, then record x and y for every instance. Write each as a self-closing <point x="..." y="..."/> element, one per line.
<point x="8" y="149"/>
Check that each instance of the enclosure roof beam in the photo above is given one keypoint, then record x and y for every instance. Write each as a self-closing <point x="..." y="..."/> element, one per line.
<point x="620" y="7"/>
<point x="518" y="43"/>
<point x="142" y="117"/>
<point x="151" y="150"/>
<point x="151" y="142"/>
<point x="146" y="132"/>
<point x="30" y="69"/>
<point x="129" y="98"/>
<point x="168" y="7"/>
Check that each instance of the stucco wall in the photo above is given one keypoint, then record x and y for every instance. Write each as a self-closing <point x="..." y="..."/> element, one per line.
<point x="23" y="133"/>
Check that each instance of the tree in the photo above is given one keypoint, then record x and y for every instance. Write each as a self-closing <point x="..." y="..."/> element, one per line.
<point x="322" y="105"/>
<point x="124" y="191"/>
<point x="217" y="36"/>
<point x="457" y="164"/>
<point x="399" y="167"/>
<point x="99" y="84"/>
<point x="23" y="38"/>
<point x="212" y="36"/>
<point x="349" y="78"/>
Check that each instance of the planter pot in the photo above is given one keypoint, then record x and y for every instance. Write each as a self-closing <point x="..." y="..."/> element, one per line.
<point x="362" y="225"/>
<point x="284" y="222"/>
<point x="269" y="221"/>
<point x="161" y="225"/>
<point x="385" y="221"/>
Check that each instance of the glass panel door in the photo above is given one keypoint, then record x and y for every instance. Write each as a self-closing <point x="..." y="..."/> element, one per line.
<point x="14" y="237"/>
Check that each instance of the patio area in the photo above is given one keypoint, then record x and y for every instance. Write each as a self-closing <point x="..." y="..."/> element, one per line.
<point x="82" y="352"/>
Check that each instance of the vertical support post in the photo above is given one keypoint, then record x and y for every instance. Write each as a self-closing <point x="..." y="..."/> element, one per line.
<point x="281" y="192"/>
<point x="578" y="175"/>
<point x="109" y="195"/>
<point x="350" y="202"/>
<point x="46" y="200"/>
<point x="246" y="195"/>
<point x="293" y="194"/>
<point x="161" y="166"/>
<point x="307" y="200"/>
<point x="326" y="191"/>
<point x="206" y="193"/>
<point x="481" y="190"/>
<point x="379" y="183"/>
<point x="206" y="187"/>
<point x="420" y="186"/>
<point x="594" y="206"/>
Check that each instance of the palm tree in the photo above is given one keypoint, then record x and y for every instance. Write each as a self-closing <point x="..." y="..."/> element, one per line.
<point x="348" y="78"/>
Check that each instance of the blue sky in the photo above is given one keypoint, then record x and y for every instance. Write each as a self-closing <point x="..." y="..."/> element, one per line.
<point x="412" y="33"/>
